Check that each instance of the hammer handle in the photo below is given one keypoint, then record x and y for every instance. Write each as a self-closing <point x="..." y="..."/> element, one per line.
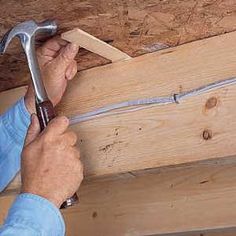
<point x="45" y="113"/>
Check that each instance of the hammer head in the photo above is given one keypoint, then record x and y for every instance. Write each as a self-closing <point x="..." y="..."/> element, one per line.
<point x="27" y="31"/>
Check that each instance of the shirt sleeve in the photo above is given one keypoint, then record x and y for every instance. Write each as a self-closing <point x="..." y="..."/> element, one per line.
<point x="33" y="215"/>
<point x="13" y="127"/>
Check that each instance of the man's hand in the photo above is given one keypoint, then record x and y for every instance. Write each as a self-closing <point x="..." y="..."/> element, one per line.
<point x="57" y="65"/>
<point x="50" y="166"/>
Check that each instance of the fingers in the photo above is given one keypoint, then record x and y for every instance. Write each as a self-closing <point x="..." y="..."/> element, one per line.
<point x="58" y="125"/>
<point x="66" y="56"/>
<point x="69" y="138"/>
<point x="52" y="46"/>
<point x="75" y="153"/>
<point x="81" y="170"/>
<point x="33" y="131"/>
<point x="71" y="70"/>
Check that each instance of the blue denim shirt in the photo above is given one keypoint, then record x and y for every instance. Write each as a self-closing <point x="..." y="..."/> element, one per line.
<point x="30" y="214"/>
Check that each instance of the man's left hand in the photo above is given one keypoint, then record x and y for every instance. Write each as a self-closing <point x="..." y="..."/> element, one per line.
<point x="57" y="65"/>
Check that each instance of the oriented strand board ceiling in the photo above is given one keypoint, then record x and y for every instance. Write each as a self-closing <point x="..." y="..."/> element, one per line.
<point x="136" y="26"/>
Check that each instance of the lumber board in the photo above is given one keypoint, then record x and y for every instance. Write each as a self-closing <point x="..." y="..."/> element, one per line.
<point x="95" y="45"/>
<point x="216" y="232"/>
<point x="192" y="198"/>
<point x="135" y="27"/>
<point x="196" y="129"/>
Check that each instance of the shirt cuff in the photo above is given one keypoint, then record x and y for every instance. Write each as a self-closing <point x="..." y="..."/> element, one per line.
<point x="33" y="211"/>
<point x="16" y="121"/>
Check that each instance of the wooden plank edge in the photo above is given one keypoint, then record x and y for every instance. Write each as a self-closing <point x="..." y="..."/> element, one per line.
<point x="95" y="45"/>
<point x="194" y="198"/>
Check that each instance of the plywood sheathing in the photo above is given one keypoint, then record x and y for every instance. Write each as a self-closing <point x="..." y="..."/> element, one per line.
<point x="135" y="27"/>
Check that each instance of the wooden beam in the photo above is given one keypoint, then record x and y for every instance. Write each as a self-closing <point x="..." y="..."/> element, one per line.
<point x="168" y="200"/>
<point x="213" y="232"/>
<point x="95" y="45"/>
<point x="198" y="128"/>
<point x="135" y="27"/>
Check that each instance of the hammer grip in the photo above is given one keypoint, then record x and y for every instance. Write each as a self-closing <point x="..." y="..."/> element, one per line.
<point x="45" y="113"/>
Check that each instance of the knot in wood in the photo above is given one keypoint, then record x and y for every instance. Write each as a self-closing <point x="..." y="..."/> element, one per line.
<point x="207" y="134"/>
<point x="211" y="102"/>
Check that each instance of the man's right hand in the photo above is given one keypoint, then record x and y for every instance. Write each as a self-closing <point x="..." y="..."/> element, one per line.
<point x="50" y="166"/>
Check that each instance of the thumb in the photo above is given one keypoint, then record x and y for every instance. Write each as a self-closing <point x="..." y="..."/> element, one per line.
<point x="33" y="131"/>
<point x="66" y="56"/>
<point x="71" y="70"/>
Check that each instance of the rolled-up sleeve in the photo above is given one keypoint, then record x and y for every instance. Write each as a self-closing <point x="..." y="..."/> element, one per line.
<point x="13" y="128"/>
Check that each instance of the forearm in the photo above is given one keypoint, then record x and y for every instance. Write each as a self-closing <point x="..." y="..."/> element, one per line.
<point x="33" y="215"/>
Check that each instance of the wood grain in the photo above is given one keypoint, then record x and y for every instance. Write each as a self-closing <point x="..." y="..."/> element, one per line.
<point x="95" y="45"/>
<point x="161" y="135"/>
<point x="135" y="27"/>
<point x="168" y="200"/>
<point x="213" y="232"/>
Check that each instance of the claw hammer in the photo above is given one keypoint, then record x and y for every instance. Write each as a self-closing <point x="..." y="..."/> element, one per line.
<point x="26" y="32"/>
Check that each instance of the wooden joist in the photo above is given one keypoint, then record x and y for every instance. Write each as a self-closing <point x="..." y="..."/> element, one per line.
<point x="200" y="127"/>
<point x="170" y="200"/>
<point x="213" y="232"/>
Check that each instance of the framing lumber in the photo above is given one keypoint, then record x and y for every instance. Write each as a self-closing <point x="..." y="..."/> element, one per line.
<point x="201" y="127"/>
<point x="214" y="232"/>
<point x="95" y="45"/>
<point x="169" y="200"/>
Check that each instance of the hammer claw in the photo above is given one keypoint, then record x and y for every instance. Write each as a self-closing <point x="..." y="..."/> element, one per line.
<point x="4" y="42"/>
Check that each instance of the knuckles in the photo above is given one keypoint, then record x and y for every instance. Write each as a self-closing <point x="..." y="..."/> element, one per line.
<point x="59" y="121"/>
<point x="70" y="138"/>
<point x="48" y="138"/>
<point x="62" y="119"/>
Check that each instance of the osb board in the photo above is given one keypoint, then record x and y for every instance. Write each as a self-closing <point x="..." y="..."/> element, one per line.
<point x="190" y="198"/>
<point x="136" y="27"/>
<point x="162" y="135"/>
